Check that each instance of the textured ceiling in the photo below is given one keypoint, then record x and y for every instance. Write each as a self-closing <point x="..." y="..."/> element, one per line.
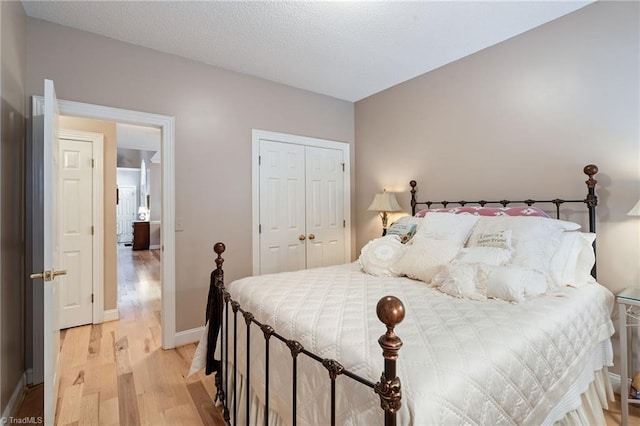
<point x="348" y="50"/>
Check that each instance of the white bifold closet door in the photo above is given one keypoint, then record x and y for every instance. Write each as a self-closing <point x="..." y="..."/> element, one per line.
<point x="302" y="223"/>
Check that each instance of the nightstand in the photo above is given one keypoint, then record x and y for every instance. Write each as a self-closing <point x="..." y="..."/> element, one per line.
<point x="627" y="299"/>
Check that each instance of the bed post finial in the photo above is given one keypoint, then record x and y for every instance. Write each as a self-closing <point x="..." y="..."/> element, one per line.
<point x="591" y="170"/>
<point x="219" y="248"/>
<point x="390" y="311"/>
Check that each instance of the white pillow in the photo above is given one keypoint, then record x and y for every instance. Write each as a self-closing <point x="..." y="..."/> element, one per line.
<point x="564" y="264"/>
<point x="534" y="239"/>
<point x="586" y="260"/>
<point x="424" y="258"/>
<point x="486" y="255"/>
<point x="437" y="241"/>
<point x="464" y="280"/>
<point x="454" y="228"/>
<point x="501" y="239"/>
<point x="513" y="284"/>
<point x="378" y="255"/>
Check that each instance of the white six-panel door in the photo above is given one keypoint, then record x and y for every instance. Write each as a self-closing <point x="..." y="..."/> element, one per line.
<point x="76" y="237"/>
<point x="282" y="207"/>
<point x="301" y="206"/>
<point x="51" y="255"/>
<point x="324" y="207"/>
<point x="126" y="213"/>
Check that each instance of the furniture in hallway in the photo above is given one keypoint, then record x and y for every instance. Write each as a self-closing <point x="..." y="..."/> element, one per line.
<point x="140" y="235"/>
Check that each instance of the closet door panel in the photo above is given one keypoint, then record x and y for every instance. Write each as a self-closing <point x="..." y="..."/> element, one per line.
<point x="282" y="207"/>
<point x="324" y="207"/>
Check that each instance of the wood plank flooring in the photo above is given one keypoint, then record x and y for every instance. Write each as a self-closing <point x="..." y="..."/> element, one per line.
<point x="116" y="373"/>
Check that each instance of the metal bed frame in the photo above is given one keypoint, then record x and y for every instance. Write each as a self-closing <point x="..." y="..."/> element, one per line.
<point x="390" y="311"/>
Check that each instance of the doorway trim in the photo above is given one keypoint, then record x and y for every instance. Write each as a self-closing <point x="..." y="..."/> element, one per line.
<point x="166" y="124"/>
<point x="256" y="136"/>
<point x="97" y="220"/>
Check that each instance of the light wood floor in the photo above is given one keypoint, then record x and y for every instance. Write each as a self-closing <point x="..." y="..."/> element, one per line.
<point x="117" y="373"/>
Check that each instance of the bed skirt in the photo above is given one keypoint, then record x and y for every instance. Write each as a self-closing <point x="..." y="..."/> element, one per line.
<point x="582" y="405"/>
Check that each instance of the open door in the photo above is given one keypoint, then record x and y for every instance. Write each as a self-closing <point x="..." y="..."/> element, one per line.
<point x="46" y="277"/>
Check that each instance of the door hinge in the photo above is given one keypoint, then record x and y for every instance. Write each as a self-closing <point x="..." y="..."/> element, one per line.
<point x="93" y="162"/>
<point x="92" y="230"/>
<point x="342" y="166"/>
<point x="344" y="223"/>
<point x="259" y="160"/>
<point x="259" y="229"/>
<point x="91" y="297"/>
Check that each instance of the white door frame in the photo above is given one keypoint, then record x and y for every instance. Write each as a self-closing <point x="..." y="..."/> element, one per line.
<point x="256" y="136"/>
<point x="96" y="139"/>
<point x="166" y="124"/>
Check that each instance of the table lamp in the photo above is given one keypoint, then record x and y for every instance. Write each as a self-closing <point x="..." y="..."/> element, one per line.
<point x="385" y="203"/>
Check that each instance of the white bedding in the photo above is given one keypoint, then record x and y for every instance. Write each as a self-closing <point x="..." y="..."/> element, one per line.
<point x="463" y="361"/>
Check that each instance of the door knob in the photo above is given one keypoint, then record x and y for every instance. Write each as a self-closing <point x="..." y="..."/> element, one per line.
<point x="48" y="275"/>
<point x="55" y="273"/>
<point x="312" y="237"/>
<point x="302" y="237"/>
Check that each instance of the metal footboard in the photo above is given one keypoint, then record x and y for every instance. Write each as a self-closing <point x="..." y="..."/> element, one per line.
<point x="390" y="311"/>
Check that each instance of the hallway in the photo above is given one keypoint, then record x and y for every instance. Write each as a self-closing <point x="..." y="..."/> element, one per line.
<point x="117" y="372"/>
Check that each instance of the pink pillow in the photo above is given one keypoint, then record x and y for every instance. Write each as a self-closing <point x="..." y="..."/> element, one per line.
<point x="489" y="211"/>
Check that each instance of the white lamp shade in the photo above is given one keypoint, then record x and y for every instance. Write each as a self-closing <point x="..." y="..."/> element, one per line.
<point x="385" y="202"/>
<point x="635" y="211"/>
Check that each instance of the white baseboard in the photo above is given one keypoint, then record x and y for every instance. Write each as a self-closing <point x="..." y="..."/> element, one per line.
<point x="110" y="315"/>
<point x="188" y="336"/>
<point x="615" y="382"/>
<point x="29" y="376"/>
<point x="154" y="247"/>
<point x="16" y="397"/>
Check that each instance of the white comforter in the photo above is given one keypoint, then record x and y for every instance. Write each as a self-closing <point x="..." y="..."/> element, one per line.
<point x="463" y="361"/>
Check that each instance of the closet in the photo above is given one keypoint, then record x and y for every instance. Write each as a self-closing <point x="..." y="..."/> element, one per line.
<point x="302" y="204"/>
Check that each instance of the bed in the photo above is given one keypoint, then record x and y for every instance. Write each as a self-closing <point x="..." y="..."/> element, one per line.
<point x="475" y="341"/>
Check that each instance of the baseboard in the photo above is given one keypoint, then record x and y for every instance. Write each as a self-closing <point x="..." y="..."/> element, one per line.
<point x="154" y="247"/>
<point x="110" y="315"/>
<point x="16" y="398"/>
<point x="188" y="336"/>
<point x="615" y="382"/>
<point x="29" y="376"/>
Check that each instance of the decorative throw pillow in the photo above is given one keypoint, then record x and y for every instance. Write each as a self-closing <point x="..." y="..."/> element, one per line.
<point x="534" y="239"/>
<point x="513" y="284"/>
<point x="378" y="255"/>
<point x="488" y="211"/>
<point x="436" y="243"/>
<point x="462" y="280"/>
<point x="424" y="258"/>
<point x="404" y="230"/>
<point x="501" y="239"/>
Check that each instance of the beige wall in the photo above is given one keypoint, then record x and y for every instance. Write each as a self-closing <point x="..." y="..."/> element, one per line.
<point x="520" y="119"/>
<point x="214" y="112"/>
<point x="13" y="30"/>
<point x="108" y="130"/>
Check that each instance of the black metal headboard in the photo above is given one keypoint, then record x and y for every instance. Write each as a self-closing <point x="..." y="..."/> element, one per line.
<point x="591" y="201"/>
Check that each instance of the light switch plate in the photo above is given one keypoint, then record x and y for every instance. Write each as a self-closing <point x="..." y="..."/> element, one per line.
<point x="179" y="224"/>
